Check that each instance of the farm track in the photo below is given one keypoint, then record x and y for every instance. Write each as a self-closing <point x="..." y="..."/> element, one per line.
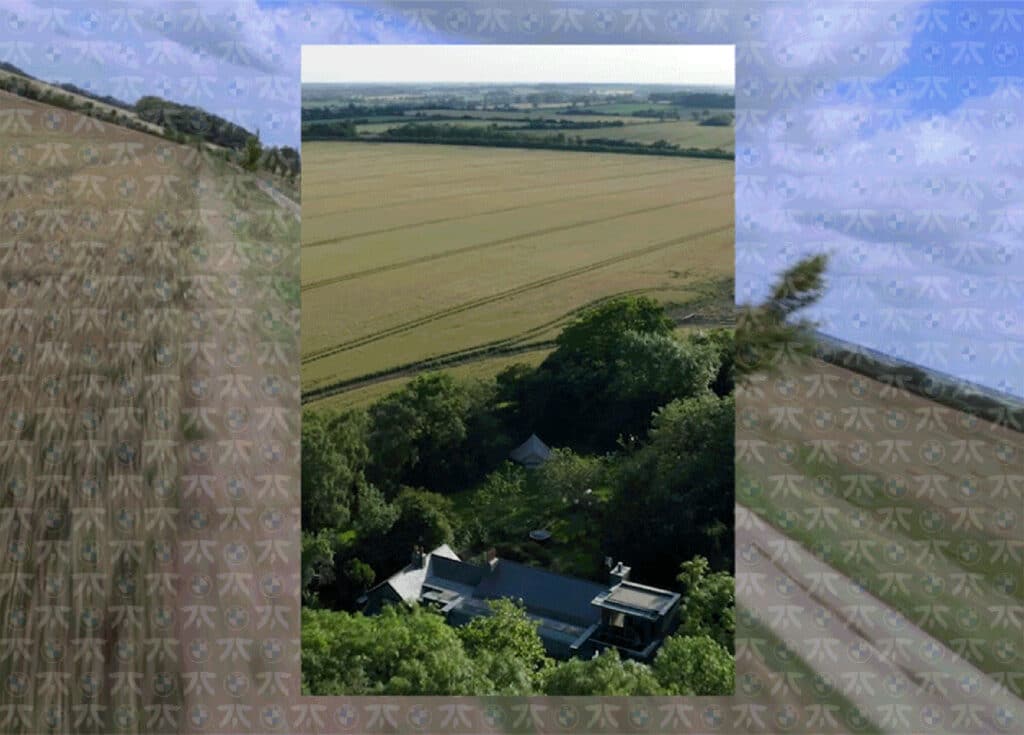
<point x="476" y="247"/>
<point x="508" y="293"/>
<point x="876" y="662"/>
<point x="444" y="197"/>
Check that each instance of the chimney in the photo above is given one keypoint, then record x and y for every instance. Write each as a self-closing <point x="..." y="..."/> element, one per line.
<point x="491" y="558"/>
<point x="619" y="574"/>
<point x="418" y="557"/>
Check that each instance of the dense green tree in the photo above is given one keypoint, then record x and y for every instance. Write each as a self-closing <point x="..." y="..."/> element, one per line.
<point x="723" y="342"/>
<point x="326" y="478"/>
<point x="334" y="454"/>
<point x="709" y="603"/>
<point x="594" y="334"/>
<point x="437" y="432"/>
<point x="487" y="438"/>
<point x="251" y="153"/>
<point x="177" y="118"/>
<point x="605" y="674"/>
<point x="499" y="500"/>
<point x="569" y="475"/>
<point x="506" y="645"/>
<point x="417" y="432"/>
<point x="694" y="666"/>
<point x="677" y="492"/>
<point x="317" y="564"/>
<point x="373" y="515"/>
<point x="424" y="520"/>
<point x="401" y="651"/>
<point x="359" y="575"/>
<point x="611" y="368"/>
<point x="649" y="371"/>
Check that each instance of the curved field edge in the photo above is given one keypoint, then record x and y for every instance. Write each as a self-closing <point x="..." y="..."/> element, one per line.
<point x="509" y="293"/>
<point x="711" y="307"/>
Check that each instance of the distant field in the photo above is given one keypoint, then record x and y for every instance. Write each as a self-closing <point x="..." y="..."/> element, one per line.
<point x="683" y="132"/>
<point x="628" y="108"/>
<point x="411" y="252"/>
<point x="542" y="114"/>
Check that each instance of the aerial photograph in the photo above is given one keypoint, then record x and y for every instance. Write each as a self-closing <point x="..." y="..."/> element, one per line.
<point x="148" y="253"/>
<point x="517" y="348"/>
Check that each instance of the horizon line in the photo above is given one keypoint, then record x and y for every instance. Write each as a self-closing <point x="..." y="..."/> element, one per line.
<point x="609" y="84"/>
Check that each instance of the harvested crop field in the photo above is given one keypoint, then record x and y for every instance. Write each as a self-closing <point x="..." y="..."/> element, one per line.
<point x="887" y="522"/>
<point x="146" y="330"/>
<point x="416" y="251"/>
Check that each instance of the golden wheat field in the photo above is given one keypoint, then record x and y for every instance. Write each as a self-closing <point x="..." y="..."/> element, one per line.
<point x="417" y="251"/>
<point x="130" y="314"/>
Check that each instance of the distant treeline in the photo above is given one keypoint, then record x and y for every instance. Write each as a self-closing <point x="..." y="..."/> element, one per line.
<point x="192" y="121"/>
<point x="31" y="89"/>
<point x="352" y="111"/>
<point x="668" y="113"/>
<point x="180" y="123"/>
<point x="104" y="98"/>
<point x="723" y="120"/>
<point x="184" y="123"/>
<point x="349" y="128"/>
<point x="499" y="138"/>
<point x="695" y="99"/>
<point x="333" y="130"/>
<point x="569" y="125"/>
<point x="7" y="66"/>
<point x="68" y="87"/>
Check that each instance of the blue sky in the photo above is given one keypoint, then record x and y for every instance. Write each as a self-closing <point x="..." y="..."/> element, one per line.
<point x="889" y="134"/>
<point x="918" y="196"/>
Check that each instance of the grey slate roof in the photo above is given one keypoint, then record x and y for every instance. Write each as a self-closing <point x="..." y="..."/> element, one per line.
<point x="566" y="598"/>
<point x="455" y="571"/>
<point x="408" y="583"/>
<point x="568" y="608"/>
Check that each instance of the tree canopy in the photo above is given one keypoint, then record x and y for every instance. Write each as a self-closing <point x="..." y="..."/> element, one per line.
<point x="604" y="675"/>
<point x="694" y="666"/>
<point x="640" y="419"/>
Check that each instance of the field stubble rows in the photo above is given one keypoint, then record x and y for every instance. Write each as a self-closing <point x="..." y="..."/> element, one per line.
<point x="502" y="241"/>
<point x="119" y="288"/>
<point x="911" y="501"/>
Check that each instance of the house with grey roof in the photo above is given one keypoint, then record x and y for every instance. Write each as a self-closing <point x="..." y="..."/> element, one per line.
<point x="576" y="617"/>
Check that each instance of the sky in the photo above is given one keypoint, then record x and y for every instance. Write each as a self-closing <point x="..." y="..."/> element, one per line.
<point x="494" y="63"/>
<point x="889" y="134"/>
<point x="900" y="151"/>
